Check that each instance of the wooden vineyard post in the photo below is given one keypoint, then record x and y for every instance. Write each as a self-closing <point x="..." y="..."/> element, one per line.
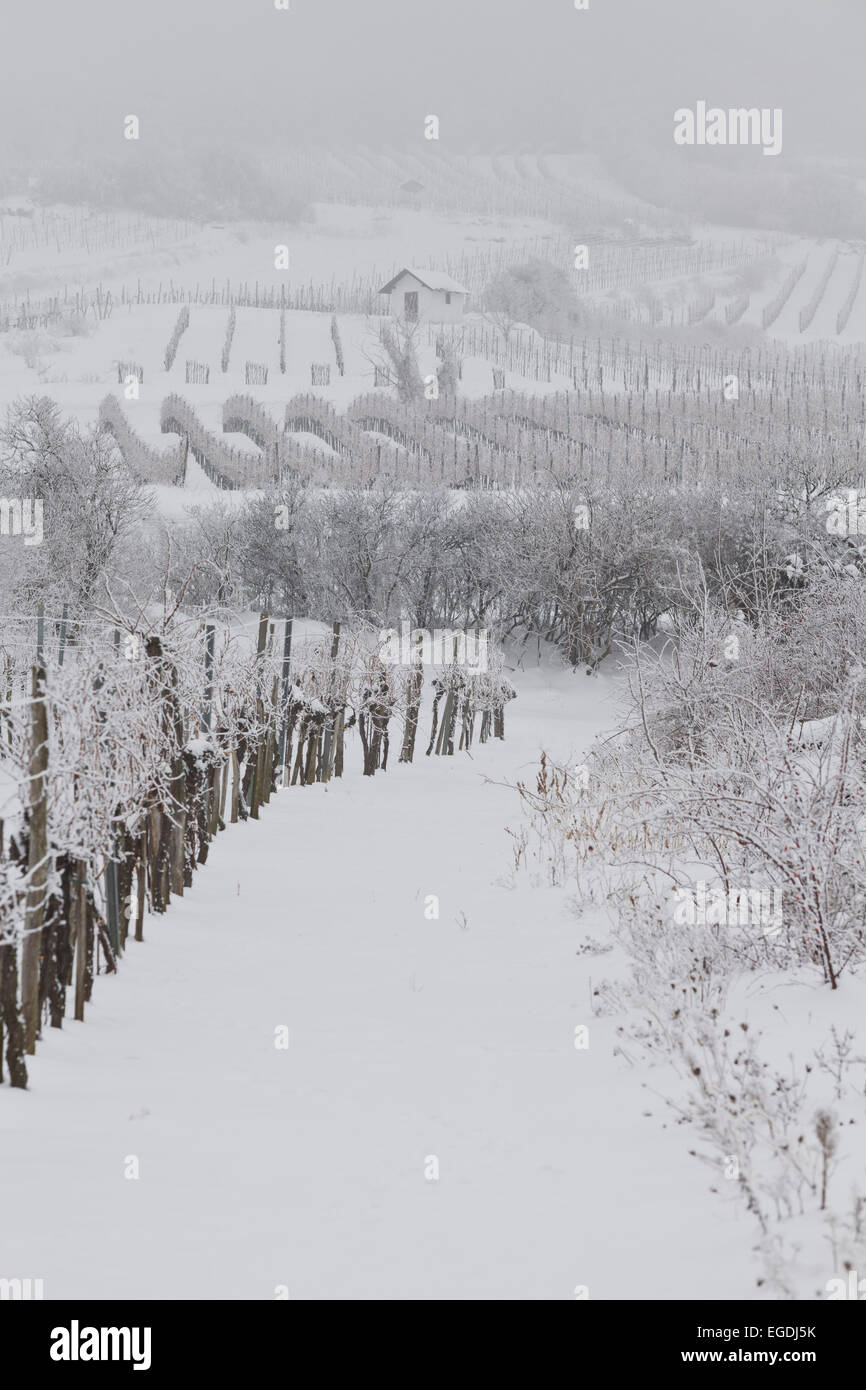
<point x="256" y="796"/>
<point x="224" y="779"/>
<point x="168" y="825"/>
<point x="215" y="820"/>
<point x="339" y="732"/>
<point x="270" y="748"/>
<point x="284" y="699"/>
<point x="175" y="828"/>
<point x="11" y="1024"/>
<point x="236" y="786"/>
<point x="37" y="859"/>
<point x="109" y="875"/>
<point x="89" y="940"/>
<point x="413" y="707"/>
<point x="435" y="724"/>
<point x="330" y="735"/>
<point x="125" y="874"/>
<point x="443" y="741"/>
<point x="78" y="912"/>
<point x="208" y="676"/>
<point x="467" y="723"/>
<point x="299" y="755"/>
<point x="208" y="702"/>
<point x="156" y="900"/>
<point x="313" y="747"/>
<point x="141" y="884"/>
<point x="112" y="904"/>
<point x="112" y="869"/>
<point x="55" y="947"/>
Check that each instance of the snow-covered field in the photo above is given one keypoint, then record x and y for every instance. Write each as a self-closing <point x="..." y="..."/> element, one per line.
<point x="464" y="1107"/>
<point x="351" y="247"/>
<point x="410" y="1040"/>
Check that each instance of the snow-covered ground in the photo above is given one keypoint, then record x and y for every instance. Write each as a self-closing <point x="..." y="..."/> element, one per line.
<point x="411" y="1039"/>
<point x="341" y="246"/>
<point x="431" y="1130"/>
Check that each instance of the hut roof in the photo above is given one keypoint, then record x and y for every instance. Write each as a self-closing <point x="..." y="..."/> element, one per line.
<point x="431" y="279"/>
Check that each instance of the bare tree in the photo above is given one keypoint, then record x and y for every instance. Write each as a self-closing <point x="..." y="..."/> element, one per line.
<point x="396" y="357"/>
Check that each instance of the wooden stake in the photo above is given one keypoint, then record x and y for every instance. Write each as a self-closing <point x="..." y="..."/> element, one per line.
<point x="37" y="860"/>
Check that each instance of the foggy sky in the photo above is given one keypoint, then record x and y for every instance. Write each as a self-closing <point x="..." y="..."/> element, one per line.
<point x="498" y="73"/>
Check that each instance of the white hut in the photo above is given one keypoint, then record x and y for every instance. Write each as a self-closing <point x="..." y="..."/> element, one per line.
<point x="430" y="295"/>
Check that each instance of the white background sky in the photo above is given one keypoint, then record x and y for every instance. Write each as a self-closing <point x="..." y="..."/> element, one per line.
<point x="498" y="72"/>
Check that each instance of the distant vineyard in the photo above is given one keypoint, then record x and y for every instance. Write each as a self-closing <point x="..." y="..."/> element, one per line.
<point x="851" y="299"/>
<point x="152" y="465"/>
<point x="666" y="281"/>
<point x="772" y="310"/>
<point x="657" y="412"/>
<point x="808" y="312"/>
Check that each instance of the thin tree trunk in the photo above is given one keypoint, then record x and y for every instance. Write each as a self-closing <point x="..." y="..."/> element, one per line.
<point x="90" y="942"/>
<point x="31" y="949"/>
<point x="141" y="867"/>
<point x="224" y="790"/>
<point x="413" y="708"/>
<point x="10" y="1018"/>
<point x="236" y="786"/>
<point x="79" y="921"/>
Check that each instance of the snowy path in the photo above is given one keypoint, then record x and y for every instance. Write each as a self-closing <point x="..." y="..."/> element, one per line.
<point x="408" y="1038"/>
